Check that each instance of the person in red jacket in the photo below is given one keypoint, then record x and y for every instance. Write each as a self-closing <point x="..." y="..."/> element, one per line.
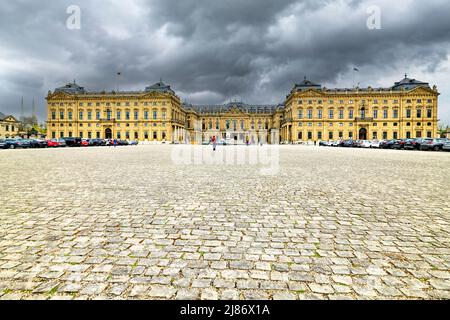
<point x="214" y="142"/>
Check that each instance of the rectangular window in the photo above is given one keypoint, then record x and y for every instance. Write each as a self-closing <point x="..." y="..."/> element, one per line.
<point x="331" y="114"/>
<point x="146" y="115"/>
<point x="53" y="115"/>
<point x="70" y="134"/>
<point x="319" y="114"/>
<point x="70" y="115"/>
<point x="418" y="134"/>
<point x="384" y="135"/>
<point x="395" y="135"/>
<point x="375" y="114"/>
<point x="81" y="115"/>
<point x="81" y="135"/>
<point x="97" y="115"/>
<point x="395" y="113"/>
<point x="61" y="115"/>
<point x="429" y="113"/>
<point x="429" y="134"/>
<point x="385" y="114"/>
<point x="350" y="134"/>
<point x="127" y="115"/>
<point x="89" y="135"/>
<point x="89" y="115"/>
<point x="155" y="115"/>
<point x="419" y="113"/>
<point x="350" y="114"/>
<point x="319" y="135"/>
<point x="408" y="135"/>
<point x="155" y="135"/>
<point x="136" y="115"/>
<point x="53" y="135"/>
<point x="310" y="112"/>
<point x="119" y="115"/>
<point x="300" y="114"/>
<point x="309" y="135"/>
<point x="374" y="135"/>
<point x="330" y="135"/>
<point x="341" y="113"/>
<point x="408" y="113"/>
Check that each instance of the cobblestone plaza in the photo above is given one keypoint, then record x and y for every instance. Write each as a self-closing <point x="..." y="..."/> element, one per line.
<point x="128" y="223"/>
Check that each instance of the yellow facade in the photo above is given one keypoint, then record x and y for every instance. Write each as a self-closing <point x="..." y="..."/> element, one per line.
<point x="311" y="112"/>
<point x="9" y="126"/>
<point x="409" y="109"/>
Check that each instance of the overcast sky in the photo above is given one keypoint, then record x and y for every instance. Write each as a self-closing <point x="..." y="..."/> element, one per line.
<point x="214" y="51"/>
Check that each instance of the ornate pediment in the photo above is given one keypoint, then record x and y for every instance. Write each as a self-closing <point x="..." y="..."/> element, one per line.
<point x="155" y="95"/>
<point x="423" y="90"/>
<point x="59" y="96"/>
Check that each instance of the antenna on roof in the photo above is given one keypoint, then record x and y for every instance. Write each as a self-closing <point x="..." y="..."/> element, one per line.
<point x="406" y="75"/>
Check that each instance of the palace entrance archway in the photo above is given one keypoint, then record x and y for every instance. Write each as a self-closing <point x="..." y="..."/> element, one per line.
<point x="108" y="133"/>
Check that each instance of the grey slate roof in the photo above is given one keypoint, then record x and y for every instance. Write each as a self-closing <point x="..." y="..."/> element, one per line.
<point x="72" y="88"/>
<point x="406" y="84"/>
<point x="159" y="87"/>
<point x="247" y="108"/>
<point x="409" y="84"/>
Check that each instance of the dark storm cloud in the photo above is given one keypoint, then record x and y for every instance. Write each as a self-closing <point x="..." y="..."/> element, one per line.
<point x="213" y="51"/>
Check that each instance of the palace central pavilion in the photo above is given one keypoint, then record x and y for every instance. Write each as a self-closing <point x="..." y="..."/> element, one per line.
<point x="310" y="112"/>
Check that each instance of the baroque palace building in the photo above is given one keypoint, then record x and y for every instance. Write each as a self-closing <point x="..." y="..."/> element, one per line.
<point x="9" y="126"/>
<point x="311" y="112"/>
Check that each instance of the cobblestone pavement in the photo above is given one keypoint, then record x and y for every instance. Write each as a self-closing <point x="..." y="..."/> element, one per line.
<point x="127" y="223"/>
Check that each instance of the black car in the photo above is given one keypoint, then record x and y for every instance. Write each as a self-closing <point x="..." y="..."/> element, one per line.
<point x="387" y="144"/>
<point x="399" y="144"/>
<point x="15" y="144"/>
<point x="73" y="142"/>
<point x="412" y="144"/>
<point x="36" y="143"/>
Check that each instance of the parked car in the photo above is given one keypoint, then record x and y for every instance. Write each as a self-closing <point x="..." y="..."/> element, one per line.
<point x="387" y="144"/>
<point x="134" y="143"/>
<point x="412" y="144"/>
<point x="366" y="144"/>
<point x="24" y="143"/>
<point x="446" y="146"/>
<point x="432" y="144"/>
<point x="38" y="143"/>
<point x="73" y="142"/>
<point x="62" y="143"/>
<point x="2" y="144"/>
<point x="399" y="144"/>
<point x="52" y="143"/>
<point x="97" y="142"/>
<point x="375" y="144"/>
<point x="84" y="143"/>
<point x="15" y="144"/>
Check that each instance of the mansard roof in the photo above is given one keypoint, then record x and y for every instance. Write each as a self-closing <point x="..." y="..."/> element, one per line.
<point x="405" y="84"/>
<point x="306" y="85"/>
<point x="159" y="87"/>
<point x="409" y="84"/>
<point x="71" y="88"/>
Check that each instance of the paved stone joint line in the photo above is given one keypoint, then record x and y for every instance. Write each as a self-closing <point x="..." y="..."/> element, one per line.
<point x="129" y="224"/>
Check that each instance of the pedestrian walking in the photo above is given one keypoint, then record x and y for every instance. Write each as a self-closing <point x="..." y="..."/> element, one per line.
<point x="214" y="143"/>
